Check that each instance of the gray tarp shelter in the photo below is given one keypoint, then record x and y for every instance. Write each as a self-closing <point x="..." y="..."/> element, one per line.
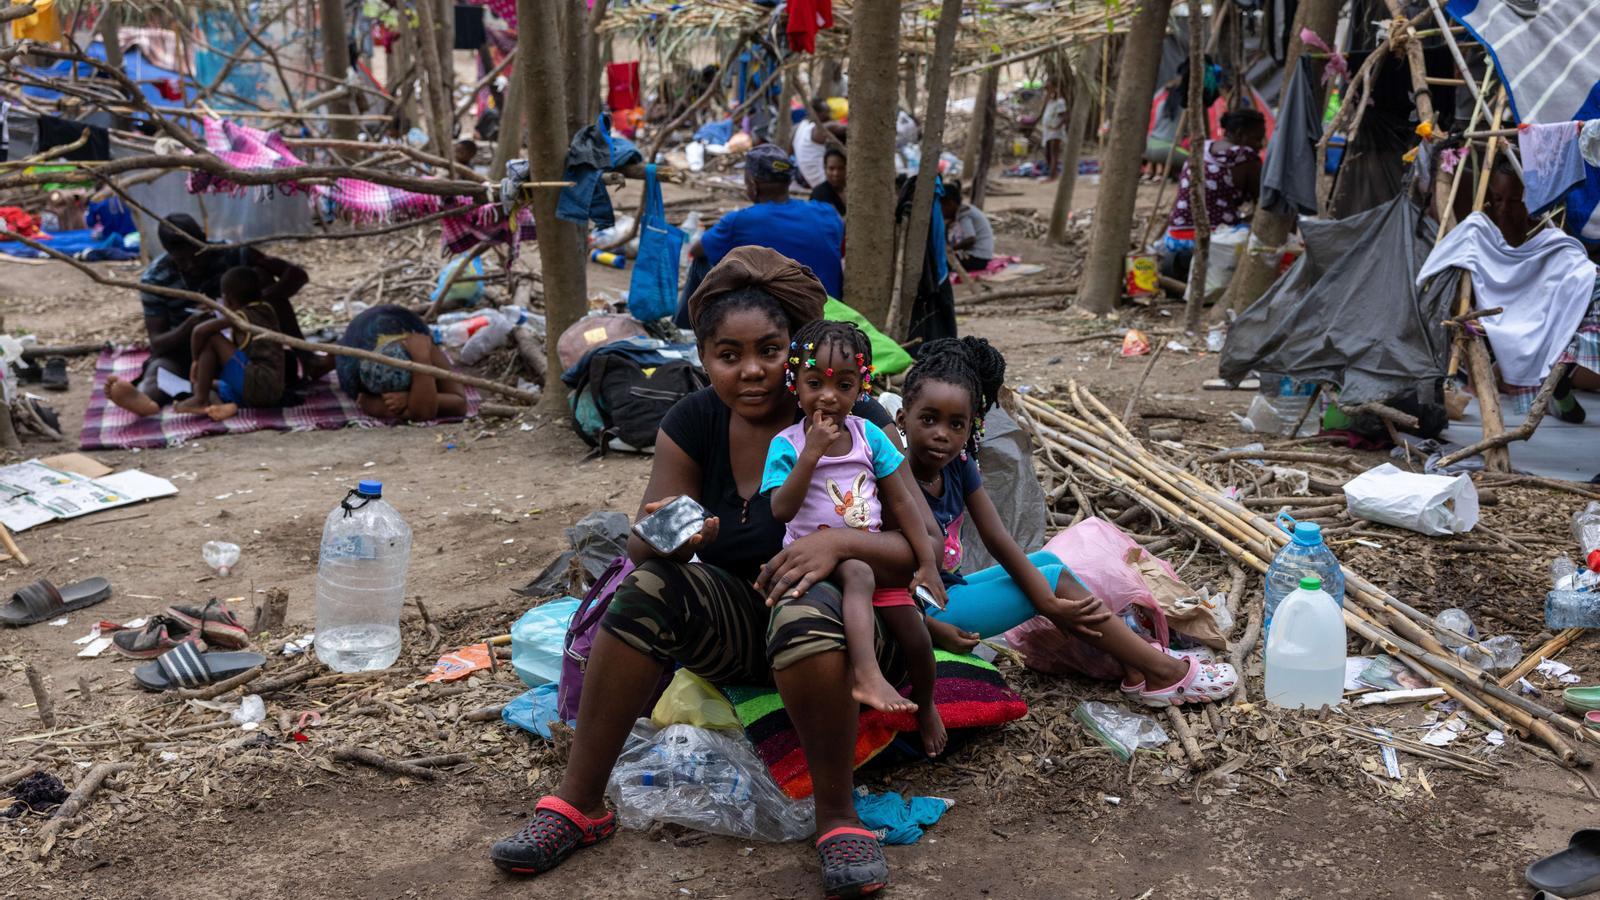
<point x="1347" y="314"/>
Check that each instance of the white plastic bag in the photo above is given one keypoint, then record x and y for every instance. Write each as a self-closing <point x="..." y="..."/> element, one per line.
<point x="709" y="780"/>
<point x="1427" y="504"/>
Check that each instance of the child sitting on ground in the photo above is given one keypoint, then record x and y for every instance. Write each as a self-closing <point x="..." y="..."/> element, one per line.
<point x="836" y="470"/>
<point x="245" y="369"/>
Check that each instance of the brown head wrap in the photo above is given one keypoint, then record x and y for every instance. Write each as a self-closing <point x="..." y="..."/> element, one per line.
<point x="792" y="285"/>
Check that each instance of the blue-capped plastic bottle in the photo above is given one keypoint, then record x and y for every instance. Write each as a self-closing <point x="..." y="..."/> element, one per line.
<point x="361" y="582"/>
<point x="1306" y="556"/>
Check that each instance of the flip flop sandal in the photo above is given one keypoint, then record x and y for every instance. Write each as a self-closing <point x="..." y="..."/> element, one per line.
<point x="555" y="831"/>
<point x="215" y="622"/>
<point x="1204" y="683"/>
<point x="1572" y="872"/>
<point x="55" y="373"/>
<point x="158" y="635"/>
<point x="852" y="863"/>
<point x="42" y="600"/>
<point x="186" y="667"/>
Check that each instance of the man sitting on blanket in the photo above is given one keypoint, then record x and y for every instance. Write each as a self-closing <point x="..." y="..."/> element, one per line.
<point x="242" y="368"/>
<point x="190" y="263"/>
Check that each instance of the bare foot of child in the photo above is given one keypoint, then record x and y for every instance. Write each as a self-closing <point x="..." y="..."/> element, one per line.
<point x="931" y="725"/>
<point x="191" y="406"/>
<point x="220" y="411"/>
<point x="875" y="691"/>
<point x="125" y="395"/>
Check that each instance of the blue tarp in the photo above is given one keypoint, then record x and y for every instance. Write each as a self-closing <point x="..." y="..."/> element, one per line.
<point x="134" y="65"/>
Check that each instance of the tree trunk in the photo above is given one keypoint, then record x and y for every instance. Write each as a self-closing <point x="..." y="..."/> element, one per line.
<point x="335" y="62"/>
<point x="445" y="21"/>
<point x="1119" y="167"/>
<point x="402" y="76"/>
<point x="982" y="123"/>
<point x="1072" y="147"/>
<point x="783" y="129"/>
<point x="1256" y="271"/>
<point x="560" y="243"/>
<point x="589" y="58"/>
<point x="869" y="192"/>
<point x="435" y="101"/>
<point x="111" y="35"/>
<point x="508" y="145"/>
<point x="570" y="27"/>
<point x="1197" y="187"/>
<point x="922" y="211"/>
<point x="979" y="191"/>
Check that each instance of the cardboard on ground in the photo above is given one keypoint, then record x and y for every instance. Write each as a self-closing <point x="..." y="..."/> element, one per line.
<point x="32" y="493"/>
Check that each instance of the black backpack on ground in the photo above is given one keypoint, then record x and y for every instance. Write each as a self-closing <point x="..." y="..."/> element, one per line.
<point x="622" y="391"/>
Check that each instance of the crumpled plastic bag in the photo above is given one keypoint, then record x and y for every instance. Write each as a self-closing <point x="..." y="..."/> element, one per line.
<point x="703" y="779"/>
<point x="533" y="711"/>
<point x="596" y="540"/>
<point x="460" y="663"/>
<point x="691" y="700"/>
<point x="1121" y="731"/>
<point x="1427" y="504"/>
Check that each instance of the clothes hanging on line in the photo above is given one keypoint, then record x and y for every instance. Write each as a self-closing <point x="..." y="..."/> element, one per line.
<point x="55" y="131"/>
<point x="806" y="17"/>
<point x="1551" y="163"/>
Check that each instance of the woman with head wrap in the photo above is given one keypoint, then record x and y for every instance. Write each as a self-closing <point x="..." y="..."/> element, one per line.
<point x="386" y="392"/>
<point x="749" y="611"/>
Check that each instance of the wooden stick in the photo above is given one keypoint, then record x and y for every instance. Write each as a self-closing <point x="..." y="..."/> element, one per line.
<point x="378" y="761"/>
<point x="1497" y="442"/>
<point x="16" y="775"/>
<point x="10" y="544"/>
<point x="288" y="680"/>
<point x="441" y="761"/>
<point x="1186" y="737"/>
<point x="87" y="785"/>
<point x="1133" y="399"/>
<point x="41" y="696"/>
<point x="485" y="714"/>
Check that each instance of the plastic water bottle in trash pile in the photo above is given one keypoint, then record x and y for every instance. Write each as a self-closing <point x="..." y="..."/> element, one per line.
<point x="1305" y="653"/>
<point x="1304" y="556"/>
<point x="361" y="582"/>
<point x="1586" y="530"/>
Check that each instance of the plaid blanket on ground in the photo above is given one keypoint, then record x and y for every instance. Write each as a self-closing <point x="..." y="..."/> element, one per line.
<point x="107" y="426"/>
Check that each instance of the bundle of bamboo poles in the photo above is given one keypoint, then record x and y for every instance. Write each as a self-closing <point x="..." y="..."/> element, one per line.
<point x="1095" y="442"/>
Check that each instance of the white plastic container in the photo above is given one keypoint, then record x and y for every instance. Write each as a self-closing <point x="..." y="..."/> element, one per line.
<point x="1306" y="650"/>
<point x="361" y="582"/>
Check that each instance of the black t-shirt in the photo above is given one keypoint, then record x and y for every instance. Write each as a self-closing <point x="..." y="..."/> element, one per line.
<point x="749" y="536"/>
<point x="825" y="193"/>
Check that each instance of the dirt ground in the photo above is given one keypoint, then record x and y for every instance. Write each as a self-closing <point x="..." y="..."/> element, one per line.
<point x="1041" y="810"/>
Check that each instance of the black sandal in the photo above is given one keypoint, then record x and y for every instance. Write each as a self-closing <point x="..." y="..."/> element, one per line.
<point x="555" y="831"/>
<point x="852" y="863"/>
<point x="55" y="373"/>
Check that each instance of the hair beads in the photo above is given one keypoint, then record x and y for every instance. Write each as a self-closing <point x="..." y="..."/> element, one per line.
<point x="840" y="336"/>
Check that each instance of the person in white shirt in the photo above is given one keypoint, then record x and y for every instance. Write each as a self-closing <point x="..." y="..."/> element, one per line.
<point x="1053" y="128"/>
<point x="811" y="143"/>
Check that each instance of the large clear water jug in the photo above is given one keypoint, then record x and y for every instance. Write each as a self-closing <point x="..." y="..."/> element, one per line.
<point x="361" y="582"/>
<point x="1306" y="556"/>
<point x="1305" y="652"/>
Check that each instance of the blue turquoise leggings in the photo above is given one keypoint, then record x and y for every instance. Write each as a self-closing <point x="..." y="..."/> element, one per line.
<point x="991" y="602"/>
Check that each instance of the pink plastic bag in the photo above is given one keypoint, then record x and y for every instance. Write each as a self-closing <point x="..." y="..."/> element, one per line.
<point x="1096" y="551"/>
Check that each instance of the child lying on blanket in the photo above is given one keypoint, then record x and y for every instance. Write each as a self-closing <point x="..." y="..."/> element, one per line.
<point x="836" y="470"/>
<point x="242" y="368"/>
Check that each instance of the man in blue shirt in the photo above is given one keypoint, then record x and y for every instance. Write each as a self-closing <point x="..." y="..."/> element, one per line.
<point x="807" y="232"/>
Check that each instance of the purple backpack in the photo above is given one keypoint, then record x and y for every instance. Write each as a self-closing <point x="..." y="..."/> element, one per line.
<point x="581" y="633"/>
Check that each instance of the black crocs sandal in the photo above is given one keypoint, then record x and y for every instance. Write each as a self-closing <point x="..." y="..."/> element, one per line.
<point x="55" y="373"/>
<point x="852" y="863"/>
<point x="556" y="830"/>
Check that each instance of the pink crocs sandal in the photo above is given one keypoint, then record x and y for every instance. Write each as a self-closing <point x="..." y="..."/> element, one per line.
<point x="1203" y="683"/>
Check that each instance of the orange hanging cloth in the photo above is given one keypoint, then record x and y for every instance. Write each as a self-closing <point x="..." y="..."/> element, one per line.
<point x="43" y="26"/>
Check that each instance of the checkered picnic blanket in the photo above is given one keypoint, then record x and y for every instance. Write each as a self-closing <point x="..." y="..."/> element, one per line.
<point x="107" y="426"/>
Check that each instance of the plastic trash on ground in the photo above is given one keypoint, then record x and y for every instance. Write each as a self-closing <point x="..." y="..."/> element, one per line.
<point x="703" y="779"/>
<point x="487" y="339"/>
<point x="1427" y="504"/>
<point x="1121" y="731"/>
<point x="458" y="664"/>
<point x="1453" y="624"/>
<point x="691" y="700"/>
<point x="533" y="710"/>
<point x="221" y="556"/>
<point x="463" y="291"/>
<point x="538" y="641"/>
<point x="251" y="711"/>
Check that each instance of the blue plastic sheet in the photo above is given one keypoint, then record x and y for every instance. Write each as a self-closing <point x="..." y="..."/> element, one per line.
<point x="534" y="710"/>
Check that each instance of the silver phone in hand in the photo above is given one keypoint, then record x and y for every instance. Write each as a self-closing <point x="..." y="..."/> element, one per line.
<point x="667" y="529"/>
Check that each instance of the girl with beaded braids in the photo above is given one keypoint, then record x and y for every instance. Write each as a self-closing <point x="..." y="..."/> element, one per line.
<point x="835" y="470"/>
<point x="954" y="383"/>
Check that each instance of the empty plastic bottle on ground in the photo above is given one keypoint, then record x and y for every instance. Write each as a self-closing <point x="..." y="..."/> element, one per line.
<point x="1305" y="555"/>
<point x="361" y="582"/>
<point x="1306" y="650"/>
<point x="1586" y="530"/>
<point x="487" y="339"/>
<point x="220" y="556"/>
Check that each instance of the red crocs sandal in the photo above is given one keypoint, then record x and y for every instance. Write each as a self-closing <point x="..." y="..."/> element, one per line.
<point x="555" y="831"/>
<point x="852" y="863"/>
